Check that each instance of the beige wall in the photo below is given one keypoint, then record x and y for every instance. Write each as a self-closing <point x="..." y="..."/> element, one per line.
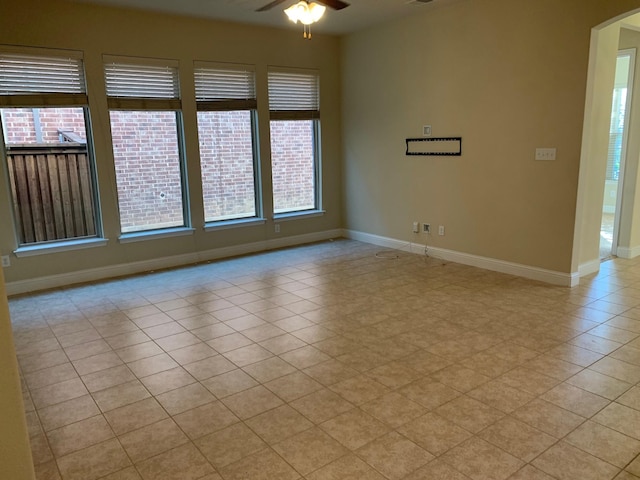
<point x="507" y="76"/>
<point x="15" y="454"/>
<point x="98" y="30"/>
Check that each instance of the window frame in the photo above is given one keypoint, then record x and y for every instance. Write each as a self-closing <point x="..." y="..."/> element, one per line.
<point x="68" y="91"/>
<point x="241" y="98"/>
<point x="166" y="101"/>
<point x="302" y="104"/>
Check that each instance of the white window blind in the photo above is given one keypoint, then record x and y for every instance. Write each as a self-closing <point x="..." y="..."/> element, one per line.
<point x="47" y="80"/>
<point x="294" y="95"/>
<point x="132" y="86"/>
<point x="224" y="84"/>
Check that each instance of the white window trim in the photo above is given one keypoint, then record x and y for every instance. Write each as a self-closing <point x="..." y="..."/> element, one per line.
<point x="57" y="247"/>
<point x="134" y="237"/>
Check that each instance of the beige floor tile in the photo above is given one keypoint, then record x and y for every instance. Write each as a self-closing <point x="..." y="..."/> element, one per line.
<point x="94" y="462"/>
<point x="139" y="351"/>
<point x="599" y="384"/>
<point x="553" y="367"/>
<point x="209" y="367"/>
<point x="192" y="353"/>
<point x="192" y="322"/>
<point x="177" y="341"/>
<point x="38" y="361"/>
<point x="617" y="369"/>
<point x="244" y="356"/>
<point x="136" y="415"/>
<point x="612" y="333"/>
<point x="305" y="357"/>
<point x="310" y="450"/>
<point x="79" y="435"/>
<point x="501" y="396"/>
<point x="121" y="395"/>
<point x="127" y="339"/>
<point x="469" y="414"/>
<point x="164" y="330"/>
<point x="150" y="365"/>
<point x="393" y="409"/>
<point x="68" y="412"/>
<point x="439" y="470"/>
<point x="40" y="450"/>
<point x="354" y="428"/>
<point x="77" y="338"/>
<point x="595" y="343"/>
<point x="229" y="383"/>
<point x="393" y="375"/>
<point x="229" y="445"/>
<point x="181" y="463"/>
<point x="529" y="381"/>
<point x="229" y="342"/>
<point x="47" y="471"/>
<point x="434" y="433"/>
<point x="262" y="332"/>
<point x="488" y="364"/>
<point x="549" y="418"/>
<point x="58" y="393"/>
<point x="263" y="465"/>
<point x="330" y="372"/>
<point x="529" y="472"/>
<point x="206" y="419"/>
<point x="634" y="467"/>
<point x="282" y="343"/>
<point x="321" y="405"/>
<point x="627" y="354"/>
<point x="624" y="475"/>
<point x="429" y="393"/>
<point x="569" y="463"/>
<point x="152" y="440"/>
<point x="623" y="419"/>
<point x="575" y="400"/>
<point x="348" y="467"/>
<point x="631" y="398"/>
<point x="575" y="354"/>
<point x="97" y="363"/>
<point x="479" y="459"/>
<point x="293" y="386"/>
<point x="185" y="398"/>
<point x="110" y="377"/>
<point x="394" y="456"/>
<point x="167" y="380"/>
<point x="517" y="438"/>
<point x="269" y="369"/>
<point x="359" y="390"/>
<point x="604" y="443"/>
<point x="88" y="349"/>
<point x="278" y="424"/>
<point x="251" y="402"/>
<point x="50" y="376"/>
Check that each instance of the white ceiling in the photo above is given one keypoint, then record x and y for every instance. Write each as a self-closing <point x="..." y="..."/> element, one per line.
<point x="360" y="14"/>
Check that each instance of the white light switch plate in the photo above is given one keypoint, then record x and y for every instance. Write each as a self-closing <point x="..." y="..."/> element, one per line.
<point x="545" y="154"/>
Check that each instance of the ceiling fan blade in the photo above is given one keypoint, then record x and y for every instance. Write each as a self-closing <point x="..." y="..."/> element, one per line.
<point x="335" y="4"/>
<point x="269" y="6"/>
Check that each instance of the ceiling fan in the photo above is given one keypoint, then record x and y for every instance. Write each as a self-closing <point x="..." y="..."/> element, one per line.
<point x="335" y="4"/>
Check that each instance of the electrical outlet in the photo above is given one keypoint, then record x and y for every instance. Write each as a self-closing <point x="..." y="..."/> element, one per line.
<point x="416" y="227"/>
<point x="441" y="230"/>
<point x="277" y="227"/>
<point x="545" y="154"/>
<point x="426" y="228"/>
<point x="6" y="261"/>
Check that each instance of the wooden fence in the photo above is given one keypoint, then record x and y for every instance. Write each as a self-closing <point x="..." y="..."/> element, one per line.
<point x="52" y="192"/>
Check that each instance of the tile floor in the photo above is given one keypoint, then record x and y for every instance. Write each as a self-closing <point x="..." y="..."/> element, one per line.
<point x="327" y="362"/>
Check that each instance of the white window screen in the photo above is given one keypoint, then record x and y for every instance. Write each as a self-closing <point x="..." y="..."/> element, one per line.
<point x="294" y="95"/>
<point x="225" y="88"/>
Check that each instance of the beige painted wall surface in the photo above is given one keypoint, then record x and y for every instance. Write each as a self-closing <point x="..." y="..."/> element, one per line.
<point x="15" y="453"/>
<point x="507" y="76"/>
<point x="97" y="31"/>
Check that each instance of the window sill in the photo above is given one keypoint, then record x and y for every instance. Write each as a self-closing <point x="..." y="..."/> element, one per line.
<point x="284" y="217"/>
<point x="64" y="246"/>
<point x="238" y="223"/>
<point x="155" y="234"/>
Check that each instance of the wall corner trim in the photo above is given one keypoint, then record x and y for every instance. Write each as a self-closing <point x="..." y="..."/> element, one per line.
<point x="628" y="252"/>
<point x="526" y="271"/>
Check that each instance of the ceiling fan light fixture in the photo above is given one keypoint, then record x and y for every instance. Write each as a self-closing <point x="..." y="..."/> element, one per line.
<point x="305" y="12"/>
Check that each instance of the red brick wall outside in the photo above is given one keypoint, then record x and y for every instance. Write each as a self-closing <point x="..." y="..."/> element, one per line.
<point x="147" y="163"/>
<point x="226" y="159"/>
<point x="19" y="125"/>
<point x="292" y="166"/>
<point x="148" y="169"/>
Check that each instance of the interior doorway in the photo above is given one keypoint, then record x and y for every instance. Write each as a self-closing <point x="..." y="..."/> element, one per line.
<point x="618" y="135"/>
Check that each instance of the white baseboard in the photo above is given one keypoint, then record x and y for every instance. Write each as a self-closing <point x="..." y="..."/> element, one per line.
<point x="533" y="273"/>
<point x="628" y="252"/>
<point x="112" y="271"/>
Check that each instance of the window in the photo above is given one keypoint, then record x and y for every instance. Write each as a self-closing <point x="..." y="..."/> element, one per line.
<point x="45" y="120"/>
<point x="226" y="98"/>
<point x="146" y="132"/>
<point x="295" y="128"/>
